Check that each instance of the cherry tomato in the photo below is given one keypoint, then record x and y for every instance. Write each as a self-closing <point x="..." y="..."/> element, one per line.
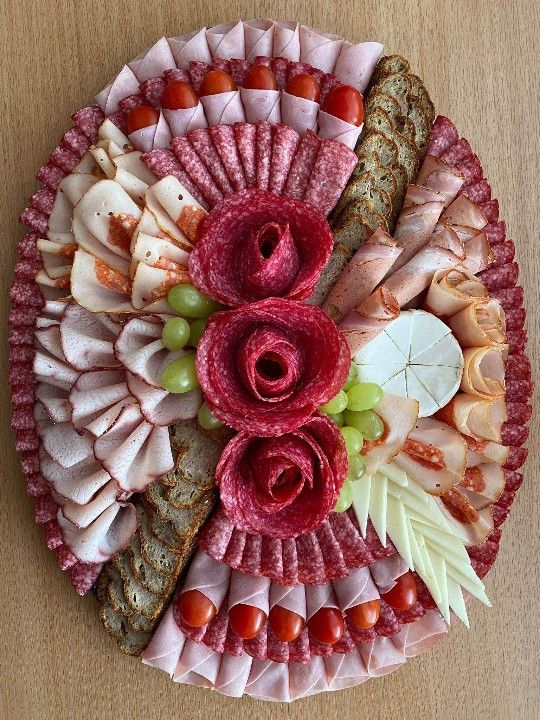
<point x="365" y="615"/>
<point x="260" y="77"/>
<point x="141" y="117"/>
<point x="179" y="95"/>
<point x="216" y="81"/>
<point x="327" y="625"/>
<point x="246" y="621"/>
<point x="404" y="593"/>
<point x="195" y="608"/>
<point x="304" y="86"/>
<point x="345" y="102"/>
<point x="286" y="625"/>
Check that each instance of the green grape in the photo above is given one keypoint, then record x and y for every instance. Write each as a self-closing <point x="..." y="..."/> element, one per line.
<point x="337" y="418"/>
<point x="187" y="301"/>
<point x="363" y="396"/>
<point x="207" y="419"/>
<point x="353" y="439"/>
<point x="357" y="468"/>
<point x="175" y="333"/>
<point x="345" y="498"/>
<point x="180" y="376"/>
<point x="352" y="377"/>
<point x="365" y="421"/>
<point x="196" y="331"/>
<point x="336" y="405"/>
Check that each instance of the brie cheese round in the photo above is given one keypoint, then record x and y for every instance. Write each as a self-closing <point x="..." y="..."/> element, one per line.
<point x="415" y="356"/>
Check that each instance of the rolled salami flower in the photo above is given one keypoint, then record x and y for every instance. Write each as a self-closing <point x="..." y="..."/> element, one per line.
<point x="334" y="128"/>
<point x="480" y="419"/>
<point x="183" y="120"/>
<point x="190" y="47"/>
<point x="356" y="63"/>
<point x="357" y="588"/>
<point x="362" y="274"/>
<point x="365" y="322"/>
<point x="299" y="113"/>
<point x="261" y="105"/>
<point x="151" y="137"/>
<point x="227" y="40"/>
<point x="479" y="325"/>
<point x="153" y="62"/>
<point x="452" y="291"/>
<point x="258" y="38"/>
<point x="483" y="372"/>
<point x="286" y="41"/>
<point x="319" y="49"/>
<point x="440" y="176"/>
<point x="420" y="213"/>
<point x="123" y="85"/>
<point x="209" y="577"/>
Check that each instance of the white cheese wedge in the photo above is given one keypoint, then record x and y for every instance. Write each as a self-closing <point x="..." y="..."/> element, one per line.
<point x="415" y="356"/>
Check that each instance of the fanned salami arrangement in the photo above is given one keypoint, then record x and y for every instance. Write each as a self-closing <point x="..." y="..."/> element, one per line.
<point x="268" y="361"/>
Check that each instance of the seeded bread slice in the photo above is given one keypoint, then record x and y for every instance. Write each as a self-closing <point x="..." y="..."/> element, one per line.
<point x="418" y="92"/>
<point x="341" y="255"/>
<point x="118" y="601"/>
<point x="375" y="144"/>
<point x="154" y="552"/>
<point x="130" y="641"/>
<point x="355" y="229"/>
<point x="139" y="599"/>
<point x="397" y="86"/>
<point x="390" y="64"/>
<point x="156" y="582"/>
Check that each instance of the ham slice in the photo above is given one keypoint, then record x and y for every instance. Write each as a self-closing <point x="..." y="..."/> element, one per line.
<point x="83" y="515"/>
<point x="208" y="577"/>
<point x="362" y="274"/>
<point x="164" y="649"/>
<point x="319" y="49"/>
<point x="358" y="587"/>
<point x="334" y="128"/>
<point x="472" y="532"/>
<point x="381" y="656"/>
<point x="463" y="212"/>
<point x="261" y="105"/>
<point x="366" y="321"/>
<point x="440" y="176"/>
<point x="399" y="415"/>
<point x="484" y="484"/>
<point x="356" y="63"/>
<point x="97" y="398"/>
<point x="123" y="85"/>
<point x="184" y="120"/>
<point x="290" y="597"/>
<point x="299" y="113"/>
<point x="78" y="483"/>
<point x="452" y="291"/>
<point x="88" y="339"/>
<point x="319" y="596"/>
<point x="227" y="40"/>
<point x="224" y="108"/>
<point x="190" y="47"/>
<point x="258" y="38"/>
<point x="159" y="407"/>
<point x="481" y="419"/>
<point x="386" y="571"/>
<point x="483" y="372"/>
<point x="286" y="41"/>
<point x="152" y="137"/>
<point x="249" y="590"/>
<point x="153" y="62"/>
<point x="434" y="456"/>
<point x="478" y="253"/>
<point x="420" y="636"/>
<point x="484" y="451"/>
<point x="479" y="325"/>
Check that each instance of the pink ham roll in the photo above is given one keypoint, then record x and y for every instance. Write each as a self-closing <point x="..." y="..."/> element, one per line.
<point x="261" y="105"/>
<point x="356" y="63"/>
<point x="190" y="47"/>
<point x="286" y="41"/>
<point x="334" y="128"/>
<point x="224" y="108"/>
<point x="123" y="85"/>
<point x="227" y="40"/>
<point x="153" y="137"/>
<point x="299" y="113"/>
<point x="258" y="38"/>
<point x="319" y="49"/>
<point x="184" y="120"/>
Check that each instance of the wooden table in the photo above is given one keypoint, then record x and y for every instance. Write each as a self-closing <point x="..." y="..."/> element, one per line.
<point x="479" y="61"/>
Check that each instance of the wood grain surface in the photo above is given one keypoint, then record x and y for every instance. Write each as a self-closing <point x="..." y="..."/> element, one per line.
<point x="479" y="62"/>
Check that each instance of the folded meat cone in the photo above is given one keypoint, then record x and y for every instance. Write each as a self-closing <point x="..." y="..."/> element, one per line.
<point x="287" y="40"/>
<point x="478" y="253"/>
<point x="299" y="113"/>
<point x="483" y="372"/>
<point x="440" y="176"/>
<point x="481" y="419"/>
<point x="362" y="274"/>
<point x="480" y="324"/>
<point x="452" y="291"/>
<point x="366" y="321"/>
<point x="356" y="63"/>
<point x="261" y="105"/>
<point x="183" y="120"/>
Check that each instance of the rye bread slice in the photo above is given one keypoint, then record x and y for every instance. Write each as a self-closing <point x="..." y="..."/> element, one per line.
<point x="418" y="92"/>
<point x="377" y="177"/>
<point x="152" y="580"/>
<point x="154" y="552"/>
<point x="382" y="120"/>
<point x="422" y="125"/>
<point x="140" y="600"/>
<point x="375" y="144"/>
<point x="339" y="258"/>
<point x="355" y="229"/>
<point x="390" y="64"/>
<point x="397" y="86"/>
<point x="118" y="601"/>
<point x="129" y="641"/>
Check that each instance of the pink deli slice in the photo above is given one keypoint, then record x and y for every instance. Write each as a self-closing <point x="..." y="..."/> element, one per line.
<point x="189" y="47"/>
<point x="355" y="63"/>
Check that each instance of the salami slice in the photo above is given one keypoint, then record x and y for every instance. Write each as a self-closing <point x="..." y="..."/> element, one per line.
<point x="491" y="210"/>
<point x="264" y="154"/>
<point x="509" y="297"/>
<point x="34" y="219"/>
<point x="457" y="152"/>
<point x="225" y="142"/>
<point x="284" y="144"/>
<point x="513" y="480"/>
<point x="515" y="318"/>
<point x="175" y="75"/>
<point x="515" y="435"/>
<point x="518" y="390"/>
<point x="504" y="252"/>
<point x="201" y="140"/>
<point x="471" y="169"/>
<point x="517" y="340"/>
<point x="76" y="141"/>
<point x="88" y="120"/>
<point x="516" y="458"/>
<point x="443" y="135"/>
<point x="495" y="232"/>
<point x="51" y="175"/>
<point x="152" y="91"/>
<point x="238" y="70"/>
<point x="518" y="367"/>
<point x="502" y="276"/>
<point x="478" y="192"/>
<point x="246" y="142"/>
<point x="130" y="103"/>
<point x="199" y="175"/>
<point x="64" y="158"/>
<point x="332" y="169"/>
<point x="43" y="200"/>
<point x="519" y="413"/>
<point x="302" y="166"/>
<point x="197" y="71"/>
<point x="163" y="163"/>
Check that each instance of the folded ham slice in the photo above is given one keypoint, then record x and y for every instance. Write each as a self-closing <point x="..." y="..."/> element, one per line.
<point x="224" y="108"/>
<point x="189" y="47"/>
<point x="483" y="372"/>
<point x="299" y="113"/>
<point x="362" y="274"/>
<point x="480" y="325"/>
<point x="227" y="40"/>
<point x="184" y="120"/>
<point x="355" y="63"/>
<point x="478" y="253"/>
<point x="151" y="137"/>
<point x="290" y="597"/>
<point x="208" y="577"/>
<point x="97" y="399"/>
<point x="358" y="587"/>
<point x="452" y="291"/>
<point x="261" y="105"/>
<point x="440" y="176"/>
<point x="366" y="321"/>
<point x="123" y="85"/>
<point x="249" y="590"/>
<point x="481" y="419"/>
<point x="154" y="61"/>
<point x="318" y="48"/>
<point x="334" y="128"/>
<point x="78" y="483"/>
<point x="160" y="407"/>
<point x="286" y="41"/>
<point x="258" y="38"/>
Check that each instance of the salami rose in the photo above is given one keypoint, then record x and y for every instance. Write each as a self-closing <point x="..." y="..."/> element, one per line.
<point x="255" y="244"/>
<point x="266" y="366"/>
<point x="283" y="486"/>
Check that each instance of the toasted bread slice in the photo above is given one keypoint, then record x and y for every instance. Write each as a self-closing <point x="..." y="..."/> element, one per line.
<point x="341" y="255"/>
<point x="390" y="64"/>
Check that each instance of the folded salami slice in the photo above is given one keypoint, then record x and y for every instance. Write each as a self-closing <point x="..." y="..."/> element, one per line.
<point x="227" y="40"/>
<point x="152" y="91"/>
<point x="355" y="63"/>
<point x="302" y="165"/>
<point x="203" y="143"/>
<point x="264" y="154"/>
<point x="224" y="140"/>
<point x="246" y="142"/>
<point x="443" y="135"/>
<point x="197" y="172"/>
<point x="286" y="40"/>
<point x="189" y="47"/>
<point x="284" y="144"/>
<point x="258" y="38"/>
<point x="319" y="48"/>
<point x="332" y="169"/>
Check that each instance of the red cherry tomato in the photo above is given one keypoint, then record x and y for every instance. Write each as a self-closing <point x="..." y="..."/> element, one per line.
<point x="179" y="95"/>
<point x="365" y="615"/>
<point x="304" y="86"/>
<point x="260" y="77"/>
<point x="345" y="102"/>
<point x="404" y="593"/>
<point x="246" y="621"/>
<point x="141" y="117"/>
<point x="216" y="81"/>
<point x="327" y="625"/>
<point x="195" y="608"/>
<point x="286" y="625"/>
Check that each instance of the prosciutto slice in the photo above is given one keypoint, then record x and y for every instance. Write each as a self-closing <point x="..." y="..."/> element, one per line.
<point x="355" y="63"/>
<point x="481" y="419"/>
<point x="366" y="321"/>
<point x="479" y="325"/>
<point x="484" y="372"/>
<point x="452" y="291"/>
<point x="362" y="274"/>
